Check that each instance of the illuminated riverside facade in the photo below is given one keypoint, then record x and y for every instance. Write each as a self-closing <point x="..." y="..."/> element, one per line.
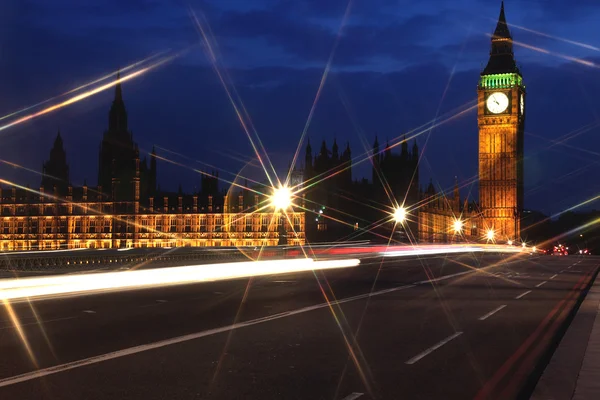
<point x="127" y="210"/>
<point x="501" y="121"/>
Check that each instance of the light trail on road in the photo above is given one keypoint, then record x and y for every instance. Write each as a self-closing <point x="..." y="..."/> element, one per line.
<point x="50" y="286"/>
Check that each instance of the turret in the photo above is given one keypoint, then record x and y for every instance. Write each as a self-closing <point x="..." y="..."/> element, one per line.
<point x="334" y="152"/>
<point x="152" y="180"/>
<point x="308" y="162"/>
<point x="375" y="159"/>
<point x="55" y="171"/>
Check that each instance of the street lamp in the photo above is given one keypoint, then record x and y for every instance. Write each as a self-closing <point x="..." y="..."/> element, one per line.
<point x="399" y="215"/>
<point x="281" y="198"/>
<point x="510" y="242"/>
<point x="457" y="225"/>
<point x="490" y="234"/>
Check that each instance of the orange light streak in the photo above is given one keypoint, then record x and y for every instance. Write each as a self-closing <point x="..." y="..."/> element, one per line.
<point x="127" y="68"/>
<point x="573" y="42"/>
<point x="17" y="324"/>
<point x="87" y="94"/>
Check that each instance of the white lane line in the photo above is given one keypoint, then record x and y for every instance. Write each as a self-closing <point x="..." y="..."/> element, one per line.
<point x="494" y="311"/>
<point x="523" y="295"/>
<point x="89" y="312"/>
<point x="180" y="339"/>
<point x="553" y="276"/>
<point x="540" y="284"/>
<point x="36" y="323"/>
<point x="570" y="266"/>
<point x="441" y="278"/>
<point x="353" y="396"/>
<point x="161" y="301"/>
<point x="431" y="349"/>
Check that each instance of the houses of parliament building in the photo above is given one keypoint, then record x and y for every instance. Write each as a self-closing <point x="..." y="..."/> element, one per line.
<point x="125" y="209"/>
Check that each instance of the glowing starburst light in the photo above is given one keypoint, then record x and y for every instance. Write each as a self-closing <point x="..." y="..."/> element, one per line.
<point x="490" y="234"/>
<point x="457" y="225"/>
<point x="400" y="215"/>
<point x="510" y="242"/>
<point x="281" y="199"/>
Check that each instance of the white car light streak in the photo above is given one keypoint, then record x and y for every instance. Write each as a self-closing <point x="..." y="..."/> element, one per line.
<point x="94" y="282"/>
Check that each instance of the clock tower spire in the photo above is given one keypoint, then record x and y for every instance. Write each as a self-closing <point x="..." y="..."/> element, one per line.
<point x="501" y="120"/>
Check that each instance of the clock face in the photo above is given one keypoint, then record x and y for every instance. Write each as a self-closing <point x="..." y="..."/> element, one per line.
<point x="522" y="104"/>
<point x="497" y="102"/>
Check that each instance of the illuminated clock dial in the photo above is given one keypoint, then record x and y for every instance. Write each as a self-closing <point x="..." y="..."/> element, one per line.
<point x="522" y="105"/>
<point x="497" y="102"/>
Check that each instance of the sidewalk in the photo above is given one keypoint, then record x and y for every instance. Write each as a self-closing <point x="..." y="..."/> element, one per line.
<point x="574" y="369"/>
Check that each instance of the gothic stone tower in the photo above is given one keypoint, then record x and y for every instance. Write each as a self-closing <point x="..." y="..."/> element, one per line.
<point x="501" y="119"/>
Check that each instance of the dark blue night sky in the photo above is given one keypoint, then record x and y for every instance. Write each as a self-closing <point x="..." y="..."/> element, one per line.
<point x="398" y="64"/>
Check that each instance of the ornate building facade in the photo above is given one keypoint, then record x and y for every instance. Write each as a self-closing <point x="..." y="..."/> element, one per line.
<point x="343" y="208"/>
<point x="501" y="121"/>
<point x="127" y="210"/>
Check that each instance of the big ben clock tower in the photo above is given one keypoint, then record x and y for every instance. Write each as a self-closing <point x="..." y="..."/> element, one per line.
<point x="501" y="119"/>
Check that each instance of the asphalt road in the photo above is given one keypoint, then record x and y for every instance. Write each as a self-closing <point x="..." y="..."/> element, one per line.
<point x="455" y="327"/>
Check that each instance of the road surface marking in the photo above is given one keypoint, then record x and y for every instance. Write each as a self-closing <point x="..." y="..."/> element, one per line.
<point x="284" y="281"/>
<point x="36" y="322"/>
<point x="217" y="292"/>
<point x="494" y="311"/>
<point x="89" y="312"/>
<point x="185" y="338"/>
<point x="429" y="350"/>
<point x="161" y="301"/>
<point x="540" y="284"/>
<point x="570" y="266"/>
<point x="353" y="396"/>
<point x="553" y="276"/>
<point x="441" y="278"/>
<point x="523" y="295"/>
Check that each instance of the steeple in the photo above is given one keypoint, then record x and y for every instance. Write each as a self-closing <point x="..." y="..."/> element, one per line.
<point x="308" y="148"/>
<point x="117" y="118"/>
<point x="118" y="89"/>
<point x="502" y="31"/>
<point x="502" y="59"/>
<point x="404" y="152"/>
<point x="324" y="152"/>
<point x="308" y="161"/>
<point x="152" y="182"/>
<point x="56" y="170"/>
<point x="335" y="151"/>
<point x="376" y="162"/>
<point x="415" y="151"/>
<point x="387" y="154"/>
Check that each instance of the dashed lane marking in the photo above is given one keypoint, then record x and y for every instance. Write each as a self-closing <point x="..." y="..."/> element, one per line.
<point x="540" y="284"/>
<point x="523" y="295"/>
<point x="185" y="338"/>
<point x="494" y="311"/>
<point x="429" y="350"/>
<point x="89" y="311"/>
<point x="353" y="396"/>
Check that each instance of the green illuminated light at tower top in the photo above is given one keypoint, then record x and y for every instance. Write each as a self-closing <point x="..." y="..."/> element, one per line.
<point x="500" y="81"/>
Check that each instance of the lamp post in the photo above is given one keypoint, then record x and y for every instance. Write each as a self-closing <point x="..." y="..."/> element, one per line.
<point x="516" y="220"/>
